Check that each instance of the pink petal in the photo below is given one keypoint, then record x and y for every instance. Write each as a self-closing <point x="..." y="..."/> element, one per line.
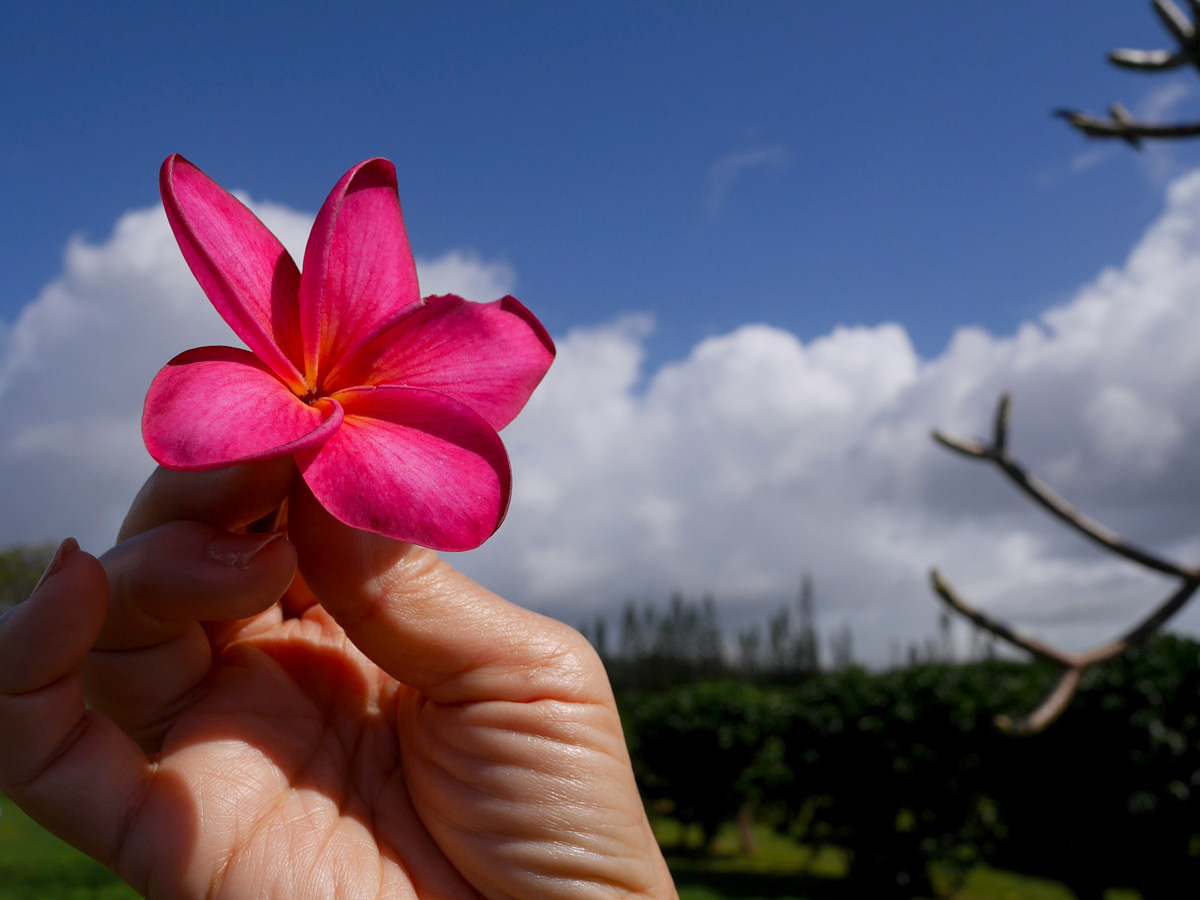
<point x="488" y="355"/>
<point x="216" y="406"/>
<point x="359" y="274"/>
<point x="412" y="465"/>
<point x="247" y="274"/>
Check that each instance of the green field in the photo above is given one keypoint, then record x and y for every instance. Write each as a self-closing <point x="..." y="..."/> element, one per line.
<point x="36" y="866"/>
<point x="785" y="870"/>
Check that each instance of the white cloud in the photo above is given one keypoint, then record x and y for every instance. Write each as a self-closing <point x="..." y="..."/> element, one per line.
<point x="1164" y="100"/>
<point x="1089" y="158"/>
<point x="756" y="457"/>
<point x="725" y="173"/>
<point x="759" y="456"/>
<point x="465" y="273"/>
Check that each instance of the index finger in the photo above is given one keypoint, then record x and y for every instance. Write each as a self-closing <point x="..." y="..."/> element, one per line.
<point x="230" y="498"/>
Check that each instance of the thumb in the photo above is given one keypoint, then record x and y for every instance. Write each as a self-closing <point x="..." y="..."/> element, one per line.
<point x="432" y="628"/>
<point x="69" y="768"/>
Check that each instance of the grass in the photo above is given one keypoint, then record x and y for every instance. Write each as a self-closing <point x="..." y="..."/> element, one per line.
<point x="34" y="865"/>
<point x="780" y="870"/>
<point x="784" y="869"/>
<point x="990" y="884"/>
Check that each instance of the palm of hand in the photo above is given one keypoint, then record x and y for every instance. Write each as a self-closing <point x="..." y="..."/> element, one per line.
<point x="291" y="752"/>
<point x="410" y="735"/>
<point x="301" y="748"/>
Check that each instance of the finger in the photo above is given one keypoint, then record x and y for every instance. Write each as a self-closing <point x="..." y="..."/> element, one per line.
<point x="431" y="627"/>
<point x="185" y="572"/>
<point x="230" y="498"/>
<point x="299" y="598"/>
<point x="69" y="768"/>
<point x="152" y="652"/>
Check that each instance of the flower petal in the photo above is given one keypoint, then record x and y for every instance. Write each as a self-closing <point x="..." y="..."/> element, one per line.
<point x="359" y="274"/>
<point x="413" y="465"/>
<point x="488" y="355"/>
<point x="247" y="274"/>
<point x="216" y="406"/>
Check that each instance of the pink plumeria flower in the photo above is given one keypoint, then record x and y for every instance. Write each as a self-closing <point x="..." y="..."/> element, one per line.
<point x="390" y="404"/>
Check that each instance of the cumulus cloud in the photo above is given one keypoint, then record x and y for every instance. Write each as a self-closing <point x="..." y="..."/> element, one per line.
<point x="760" y="456"/>
<point x="755" y="458"/>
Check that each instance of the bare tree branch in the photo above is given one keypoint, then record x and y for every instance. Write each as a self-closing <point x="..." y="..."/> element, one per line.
<point x="1042" y="494"/>
<point x="1120" y="123"/>
<point x="1048" y="710"/>
<point x="1041" y="650"/>
<point x="1184" y="28"/>
<point x="1125" y="128"/>
<point x="1073" y="664"/>
<point x="1156" y="620"/>
<point x="1175" y="22"/>
<point x="1160" y="60"/>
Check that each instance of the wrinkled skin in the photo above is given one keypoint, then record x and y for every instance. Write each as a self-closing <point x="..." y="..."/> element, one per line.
<point x="410" y="735"/>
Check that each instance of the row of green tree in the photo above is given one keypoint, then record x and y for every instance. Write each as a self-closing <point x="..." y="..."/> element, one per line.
<point x="659" y="648"/>
<point x="904" y="769"/>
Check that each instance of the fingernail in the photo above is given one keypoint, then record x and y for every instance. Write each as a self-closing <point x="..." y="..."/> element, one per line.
<point x="237" y="550"/>
<point x="65" y="549"/>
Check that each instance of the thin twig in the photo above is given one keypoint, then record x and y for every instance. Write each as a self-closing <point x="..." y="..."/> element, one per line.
<point x="1136" y="635"/>
<point x="1000" y="424"/>
<point x="1121" y="124"/>
<point x="1148" y="60"/>
<point x="1126" y="128"/>
<point x="1044" y="496"/>
<point x="1053" y="706"/>
<point x="1159" y="617"/>
<point x="1039" y="649"/>
<point x="1175" y="21"/>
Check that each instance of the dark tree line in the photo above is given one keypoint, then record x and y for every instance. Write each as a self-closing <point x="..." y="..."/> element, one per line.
<point x="652" y="647"/>
<point x="20" y="569"/>
<point x="903" y="769"/>
<point x="657" y="647"/>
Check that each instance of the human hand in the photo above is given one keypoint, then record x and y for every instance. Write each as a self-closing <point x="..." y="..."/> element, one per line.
<point x="410" y="735"/>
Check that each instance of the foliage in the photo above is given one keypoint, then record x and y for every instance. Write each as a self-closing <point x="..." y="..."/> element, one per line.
<point x="898" y="762"/>
<point x="706" y="749"/>
<point x="658" y="649"/>
<point x="1118" y="780"/>
<point x="20" y="568"/>
<point x="905" y="771"/>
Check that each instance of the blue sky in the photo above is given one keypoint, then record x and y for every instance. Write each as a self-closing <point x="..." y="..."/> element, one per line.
<point x="799" y="164"/>
<point x="849" y="223"/>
